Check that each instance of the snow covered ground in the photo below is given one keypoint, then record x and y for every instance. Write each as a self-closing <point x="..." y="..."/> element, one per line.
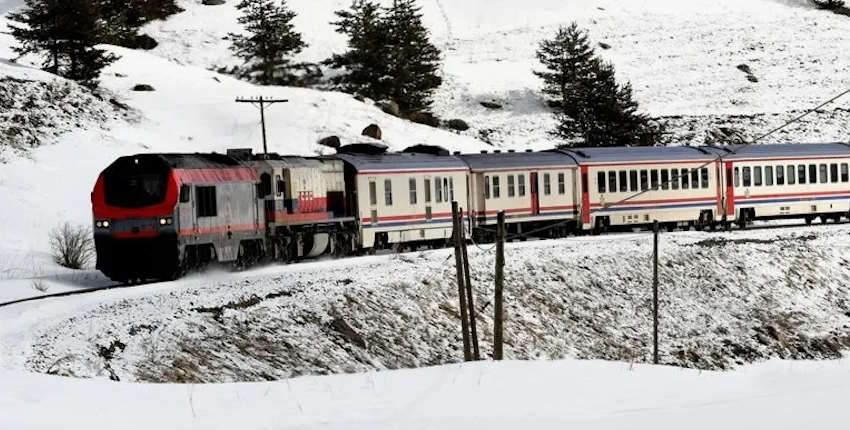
<point x="539" y="395"/>
<point x="726" y="300"/>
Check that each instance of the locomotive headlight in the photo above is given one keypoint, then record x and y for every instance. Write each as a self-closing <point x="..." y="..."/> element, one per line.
<point x="166" y="221"/>
<point x="102" y="224"/>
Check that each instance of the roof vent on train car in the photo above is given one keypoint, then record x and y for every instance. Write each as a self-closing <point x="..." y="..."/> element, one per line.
<point x="241" y="154"/>
<point x="363" y="148"/>
<point x="511" y="151"/>
<point x="529" y="150"/>
<point x="427" y="149"/>
<point x="483" y="151"/>
<point x="497" y="151"/>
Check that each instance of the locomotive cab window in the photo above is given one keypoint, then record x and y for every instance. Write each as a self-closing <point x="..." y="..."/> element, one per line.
<point x="206" y="205"/>
<point x="185" y="193"/>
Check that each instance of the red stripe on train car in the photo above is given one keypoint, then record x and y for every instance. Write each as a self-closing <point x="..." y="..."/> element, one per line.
<point x="195" y="231"/>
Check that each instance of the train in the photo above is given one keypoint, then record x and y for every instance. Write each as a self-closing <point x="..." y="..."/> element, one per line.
<point x="156" y="216"/>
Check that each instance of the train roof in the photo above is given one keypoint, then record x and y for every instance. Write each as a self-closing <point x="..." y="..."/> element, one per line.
<point x="509" y="160"/>
<point x="785" y="150"/>
<point x="193" y="161"/>
<point x="638" y="154"/>
<point x="402" y="161"/>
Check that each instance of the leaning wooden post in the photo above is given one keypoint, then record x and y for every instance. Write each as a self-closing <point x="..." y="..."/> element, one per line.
<point x="461" y="291"/>
<point x="476" y="353"/>
<point x="498" y="335"/>
<point x="655" y="292"/>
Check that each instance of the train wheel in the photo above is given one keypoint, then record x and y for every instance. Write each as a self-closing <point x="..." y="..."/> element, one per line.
<point x="809" y="220"/>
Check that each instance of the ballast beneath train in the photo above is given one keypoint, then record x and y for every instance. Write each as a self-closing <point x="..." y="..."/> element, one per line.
<point x="158" y="215"/>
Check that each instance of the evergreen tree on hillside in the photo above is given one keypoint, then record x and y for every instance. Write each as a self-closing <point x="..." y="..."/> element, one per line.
<point x="591" y="108"/>
<point x="365" y="66"/>
<point x="389" y="55"/>
<point x="414" y="62"/>
<point x="64" y="33"/>
<point x="269" y="44"/>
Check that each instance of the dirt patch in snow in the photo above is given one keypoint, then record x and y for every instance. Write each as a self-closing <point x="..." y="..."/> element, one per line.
<point x="726" y="299"/>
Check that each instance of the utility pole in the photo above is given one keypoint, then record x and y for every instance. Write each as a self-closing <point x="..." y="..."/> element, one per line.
<point x="262" y="102"/>
<point x="655" y="293"/>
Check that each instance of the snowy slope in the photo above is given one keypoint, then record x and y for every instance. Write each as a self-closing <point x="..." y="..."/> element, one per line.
<point x="681" y="58"/>
<point x="509" y="395"/>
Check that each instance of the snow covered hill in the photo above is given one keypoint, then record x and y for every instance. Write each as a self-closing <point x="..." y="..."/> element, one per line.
<point x="681" y="58"/>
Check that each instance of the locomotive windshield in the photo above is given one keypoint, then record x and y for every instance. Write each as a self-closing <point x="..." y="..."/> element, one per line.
<point x="134" y="182"/>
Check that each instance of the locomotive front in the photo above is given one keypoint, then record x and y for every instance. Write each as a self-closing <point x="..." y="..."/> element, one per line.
<point x="135" y="225"/>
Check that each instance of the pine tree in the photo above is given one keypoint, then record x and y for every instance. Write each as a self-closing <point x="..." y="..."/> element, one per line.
<point x="389" y="55"/>
<point x="270" y="42"/>
<point x="366" y="70"/>
<point x="413" y="61"/>
<point x="591" y="108"/>
<point x="64" y="33"/>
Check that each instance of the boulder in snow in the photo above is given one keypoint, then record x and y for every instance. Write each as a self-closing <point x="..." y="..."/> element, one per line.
<point x="143" y="87"/>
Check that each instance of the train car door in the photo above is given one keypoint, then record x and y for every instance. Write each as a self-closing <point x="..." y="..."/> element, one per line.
<point x="535" y="197"/>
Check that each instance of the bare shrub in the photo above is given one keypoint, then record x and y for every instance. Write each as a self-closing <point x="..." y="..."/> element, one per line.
<point x="71" y="246"/>
<point x="39" y="285"/>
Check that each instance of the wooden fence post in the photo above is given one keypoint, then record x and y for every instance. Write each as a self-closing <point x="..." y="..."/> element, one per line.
<point x="461" y="291"/>
<point x="655" y="292"/>
<point x="498" y="319"/>
<point x="476" y="353"/>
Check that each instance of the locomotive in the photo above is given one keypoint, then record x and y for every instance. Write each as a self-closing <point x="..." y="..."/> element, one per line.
<point x="158" y="215"/>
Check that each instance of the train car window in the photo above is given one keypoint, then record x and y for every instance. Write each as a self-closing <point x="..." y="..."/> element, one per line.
<point x="446" y="190"/>
<point x="823" y="170"/>
<point x="757" y="176"/>
<point x="845" y="177"/>
<point x="427" y="187"/>
<point x="624" y="185"/>
<point x="665" y="179"/>
<point x="633" y="182"/>
<point x="562" y="183"/>
<point x="683" y="174"/>
<point x="280" y="185"/>
<point x="413" y="196"/>
<point x="704" y="175"/>
<point x="373" y="193"/>
<point x="511" y="186"/>
<point x="265" y="185"/>
<point x="694" y="179"/>
<point x="748" y="179"/>
<point x="644" y="180"/>
<point x="600" y="181"/>
<point x="496" y="190"/>
<point x="452" y="189"/>
<point x="186" y="193"/>
<point x="780" y="175"/>
<point x="813" y="173"/>
<point x="801" y="174"/>
<point x="674" y="179"/>
<point x="653" y="179"/>
<point x="521" y="181"/>
<point x="737" y="177"/>
<point x="438" y="188"/>
<point x="547" y="184"/>
<point x="486" y="187"/>
<point x="768" y="176"/>
<point x="612" y="182"/>
<point x="388" y="192"/>
<point x="791" y="174"/>
<point x="833" y="173"/>
<point x="206" y="206"/>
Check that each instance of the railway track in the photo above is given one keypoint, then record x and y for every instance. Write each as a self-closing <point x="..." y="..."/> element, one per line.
<point x="119" y="286"/>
